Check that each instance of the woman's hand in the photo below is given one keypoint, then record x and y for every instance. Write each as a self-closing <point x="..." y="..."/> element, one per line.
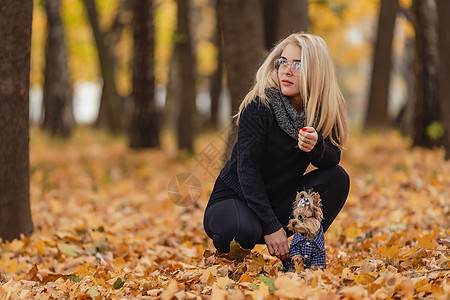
<point x="307" y="138"/>
<point x="277" y="244"/>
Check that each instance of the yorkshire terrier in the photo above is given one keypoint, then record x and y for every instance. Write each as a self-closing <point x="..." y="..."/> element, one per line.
<point x="307" y="248"/>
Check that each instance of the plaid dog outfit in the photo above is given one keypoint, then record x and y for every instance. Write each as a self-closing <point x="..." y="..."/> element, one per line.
<point x="313" y="252"/>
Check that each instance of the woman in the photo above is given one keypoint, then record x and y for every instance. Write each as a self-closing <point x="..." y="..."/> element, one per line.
<point x="293" y="116"/>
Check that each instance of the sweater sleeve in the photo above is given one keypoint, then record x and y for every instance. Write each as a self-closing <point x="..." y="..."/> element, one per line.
<point x="324" y="153"/>
<point x="251" y="141"/>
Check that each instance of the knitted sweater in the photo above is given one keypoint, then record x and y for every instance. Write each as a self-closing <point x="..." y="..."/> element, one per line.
<point x="265" y="160"/>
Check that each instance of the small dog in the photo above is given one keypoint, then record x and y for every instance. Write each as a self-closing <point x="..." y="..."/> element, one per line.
<point x="307" y="247"/>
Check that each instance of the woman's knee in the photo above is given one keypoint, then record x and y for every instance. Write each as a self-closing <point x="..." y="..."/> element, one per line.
<point x="339" y="184"/>
<point x="341" y="179"/>
<point x="343" y="175"/>
<point x="224" y="222"/>
<point x="246" y="236"/>
<point x="249" y="235"/>
<point x="336" y="174"/>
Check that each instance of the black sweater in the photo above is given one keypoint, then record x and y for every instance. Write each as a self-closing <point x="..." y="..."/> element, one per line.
<point x="265" y="160"/>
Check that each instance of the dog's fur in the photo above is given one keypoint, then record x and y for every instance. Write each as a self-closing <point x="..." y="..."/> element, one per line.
<point x="307" y="206"/>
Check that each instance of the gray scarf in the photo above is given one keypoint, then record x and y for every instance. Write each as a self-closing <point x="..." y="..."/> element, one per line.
<point x="287" y="117"/>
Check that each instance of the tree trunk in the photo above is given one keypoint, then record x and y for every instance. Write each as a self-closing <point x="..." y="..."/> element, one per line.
<point x="186" y="63"/>
<point x="216" y="77"/>
<point x="58" y="119"/>
<point x="270" y="18"/>
<point x="405" y="118"/>
<point x="171" y="105"/>
<point x="279" y="22"/>
<point x="426" y="109"/>
<point x="443" y="8"/>
<point x="15" y="34"/>
<point x="377" y="111"/>
<point x="292" y="16"/>
<point x="144" y="127"/>
<point x="243" y="47"/>
<point x="109" y="116"/>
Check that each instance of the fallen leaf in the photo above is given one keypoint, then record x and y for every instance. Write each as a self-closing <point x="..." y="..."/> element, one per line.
<point x="224" y="282"/>
<point x="267" y="281"/>
<point x="236" y="253"/>
<point x="287" y="287"/>
<point x="118" y="284"/>
<point x="262" y="291"/>
<point x="70" y="250"/>
<point x="93" y="292"/>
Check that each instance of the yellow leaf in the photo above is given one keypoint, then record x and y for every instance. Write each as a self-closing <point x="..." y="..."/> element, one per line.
<point x="299" y="267"/>
<point x="346" y="272"/>
<point x="352" y="232"/>
<point x="388" y="252"/>
<point x="355" y="292"/>
<point x="144" y="171"/>
<point x="422" y="286"/>
<point x="206" y="276"/>
<point x="99" y="281"/>
<point x="426" y="242"/>
<point x="287" y="287"/>
<point x="435" y="182"/>
<point x="364" y="279"/>
<point x="405" y="289"/>
<point x="40" y="246"/>
<point x="358" y="263"/>
<point x="245" y="278"/>
<point x="315" y="281"/>
<point x="224" y="282"/>
<point x="171" y="290"/>
<point x="407" y="252"/>
<point x="14" y="246"/>
<point x="263" y="292"/>
<point x="84" y="270"/>
<point x="218" y="294"/>
<point x="376" y="285"/>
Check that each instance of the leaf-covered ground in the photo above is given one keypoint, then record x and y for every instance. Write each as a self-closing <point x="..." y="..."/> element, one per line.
<point x="108" y="227"/>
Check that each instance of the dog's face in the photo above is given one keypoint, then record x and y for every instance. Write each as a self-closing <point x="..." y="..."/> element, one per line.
<point x="307" y="213"/>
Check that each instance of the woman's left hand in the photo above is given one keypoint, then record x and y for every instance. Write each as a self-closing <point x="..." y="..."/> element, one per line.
<point x="307" y="138"/>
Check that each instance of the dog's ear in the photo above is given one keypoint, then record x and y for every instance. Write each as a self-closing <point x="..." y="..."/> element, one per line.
<point x="316" y="199"/>
<point x="295" y="203"/>
<point x="317" y="211"/>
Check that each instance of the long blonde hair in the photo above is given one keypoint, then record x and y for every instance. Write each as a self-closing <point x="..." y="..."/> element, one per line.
<point x="322" y="98"/>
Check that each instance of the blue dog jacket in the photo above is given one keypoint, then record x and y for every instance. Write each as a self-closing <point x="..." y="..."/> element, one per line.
<point x="313" y="252"/>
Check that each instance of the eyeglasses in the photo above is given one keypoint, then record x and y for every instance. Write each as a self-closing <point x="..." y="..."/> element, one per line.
<point x="281" y="65"/>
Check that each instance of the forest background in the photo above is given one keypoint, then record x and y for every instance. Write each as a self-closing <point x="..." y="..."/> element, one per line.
<point x="129" y="117"/>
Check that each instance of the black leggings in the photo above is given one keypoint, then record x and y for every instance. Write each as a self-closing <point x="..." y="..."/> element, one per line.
<point x="232" y="219"/>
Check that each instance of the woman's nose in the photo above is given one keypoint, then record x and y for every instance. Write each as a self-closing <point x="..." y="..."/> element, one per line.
<point x="288" y="70"/>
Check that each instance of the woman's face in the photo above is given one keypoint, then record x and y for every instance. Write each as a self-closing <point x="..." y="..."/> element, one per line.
<point x="288" y="74"/>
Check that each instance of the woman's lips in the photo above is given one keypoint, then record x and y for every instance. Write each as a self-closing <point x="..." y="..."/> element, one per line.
<point x="286" y="82"/>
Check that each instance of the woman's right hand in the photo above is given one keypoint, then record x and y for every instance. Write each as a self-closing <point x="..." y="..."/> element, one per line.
<point x="277" y="244"/>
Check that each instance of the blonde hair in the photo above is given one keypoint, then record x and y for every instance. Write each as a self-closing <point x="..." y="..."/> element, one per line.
<point x="322" y="99"/>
